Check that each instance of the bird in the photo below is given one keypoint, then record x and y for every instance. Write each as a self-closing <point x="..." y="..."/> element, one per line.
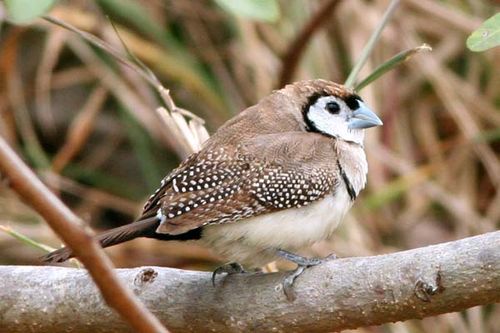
<point x="269" y="183"/>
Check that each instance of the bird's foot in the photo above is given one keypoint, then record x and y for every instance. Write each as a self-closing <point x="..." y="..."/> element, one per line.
<point x="229" y="268"/>
<point x="304" y="261"/>
<point x="302" y="264"/>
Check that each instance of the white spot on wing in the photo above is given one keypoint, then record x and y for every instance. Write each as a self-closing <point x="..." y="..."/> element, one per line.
<point x="174" y="184"/>
<point x="160" y="216"/>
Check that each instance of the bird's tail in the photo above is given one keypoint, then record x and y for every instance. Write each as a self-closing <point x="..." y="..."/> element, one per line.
<point x="142" y="228"/>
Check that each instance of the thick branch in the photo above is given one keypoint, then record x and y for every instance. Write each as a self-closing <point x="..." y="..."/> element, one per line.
<point x="345" y="293"/>
<point x="70" y="228"/>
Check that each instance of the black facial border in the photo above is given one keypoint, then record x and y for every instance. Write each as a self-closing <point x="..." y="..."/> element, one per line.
<point x="310" y="127"/>
<point x="352" y="101"/>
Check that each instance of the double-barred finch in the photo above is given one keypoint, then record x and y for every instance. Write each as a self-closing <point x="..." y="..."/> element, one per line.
<point x="273" y="180"/>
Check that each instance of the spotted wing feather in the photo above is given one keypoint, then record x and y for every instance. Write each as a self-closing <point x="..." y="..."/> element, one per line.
<point x="262" y="175"/>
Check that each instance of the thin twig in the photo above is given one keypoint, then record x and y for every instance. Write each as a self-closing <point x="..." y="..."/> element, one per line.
<point x="135" y="64"/>
<point x="80" y="129"/>
<point x="70" y="228"/>
<point x="147" y="74"/>
<point x="52" y="51"/>
<point x="103" y="46"/>
<point x="299" y="44"/>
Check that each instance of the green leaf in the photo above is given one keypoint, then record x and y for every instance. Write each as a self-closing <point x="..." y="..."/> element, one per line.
<point x="24" y="11"/>
<point x="487" y="36"/>
<point x="260" y="10"/>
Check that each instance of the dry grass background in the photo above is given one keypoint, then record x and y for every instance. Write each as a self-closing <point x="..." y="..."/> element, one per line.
<point x="89" y="127"/>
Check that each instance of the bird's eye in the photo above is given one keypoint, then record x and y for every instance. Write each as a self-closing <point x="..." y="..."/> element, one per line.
<point x="332" y="107"/>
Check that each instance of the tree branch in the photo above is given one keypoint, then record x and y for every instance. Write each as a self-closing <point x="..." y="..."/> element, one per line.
<point x="290" y="59"/>
<point x="70" y="228"/>
<point x="345" y="293"/>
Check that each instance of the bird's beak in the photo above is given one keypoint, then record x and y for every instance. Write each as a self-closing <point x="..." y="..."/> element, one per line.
<point x="363" y="117"/>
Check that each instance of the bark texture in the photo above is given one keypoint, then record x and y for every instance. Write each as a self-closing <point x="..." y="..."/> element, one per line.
<point x="341" y="294"/>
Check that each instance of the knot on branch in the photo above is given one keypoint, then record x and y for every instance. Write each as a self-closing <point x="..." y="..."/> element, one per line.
<point x="425" y="288"/>
<point x="145" y="276"/>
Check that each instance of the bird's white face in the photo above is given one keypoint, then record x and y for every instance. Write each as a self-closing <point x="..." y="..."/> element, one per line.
<point x="345" y="119"/>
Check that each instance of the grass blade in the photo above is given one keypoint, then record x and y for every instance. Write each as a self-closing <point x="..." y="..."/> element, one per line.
<point x="390" y="64"/>
<point x="25" y="239"/>
<point x="351" y="79"/>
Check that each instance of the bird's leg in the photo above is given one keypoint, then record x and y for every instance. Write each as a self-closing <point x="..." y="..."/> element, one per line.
<point x="228" y="268"/>
<point x="302" y="264"/>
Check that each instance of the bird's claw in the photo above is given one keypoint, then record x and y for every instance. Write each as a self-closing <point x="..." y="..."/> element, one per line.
<point x="229" y="268"/>
<point x="302" y="264"/>
<point x="304" y="261"/>
<point x="288" y="281"/>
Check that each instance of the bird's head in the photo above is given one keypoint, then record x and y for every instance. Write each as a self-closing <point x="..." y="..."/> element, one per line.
<point x="333" y="110"/>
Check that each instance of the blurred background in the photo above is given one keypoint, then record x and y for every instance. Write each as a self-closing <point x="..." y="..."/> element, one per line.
<point x="89" y="128"/>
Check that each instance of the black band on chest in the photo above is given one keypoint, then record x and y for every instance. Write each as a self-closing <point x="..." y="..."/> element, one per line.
<point x="347" y="182"/>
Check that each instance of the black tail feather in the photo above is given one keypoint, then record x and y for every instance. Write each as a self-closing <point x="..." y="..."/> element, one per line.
<point x="143" y="228"/>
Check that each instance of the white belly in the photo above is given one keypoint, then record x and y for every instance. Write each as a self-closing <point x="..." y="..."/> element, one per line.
<point x="253" y="241"/>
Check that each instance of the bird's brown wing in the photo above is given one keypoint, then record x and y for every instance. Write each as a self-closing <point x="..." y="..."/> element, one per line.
<point x="262" y="175"/>
<point x="151" y="206"/>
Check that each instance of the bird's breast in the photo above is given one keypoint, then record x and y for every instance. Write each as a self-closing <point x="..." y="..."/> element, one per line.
<point x="290" y="229"/>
